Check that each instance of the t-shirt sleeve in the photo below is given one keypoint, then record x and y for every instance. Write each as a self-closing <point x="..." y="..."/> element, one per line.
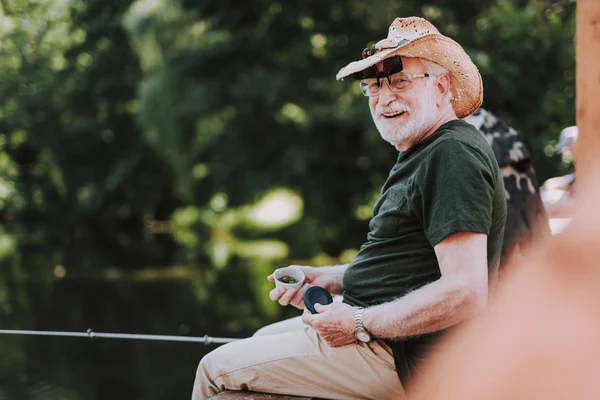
<point x="455" y="187"/>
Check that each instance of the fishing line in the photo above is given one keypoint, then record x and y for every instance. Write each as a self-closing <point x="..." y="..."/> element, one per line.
<point x="90" y="334"/>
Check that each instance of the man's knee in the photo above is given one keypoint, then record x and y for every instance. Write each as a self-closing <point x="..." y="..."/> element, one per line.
<point x="264" y="331"/>
<point x="206" y="373"/>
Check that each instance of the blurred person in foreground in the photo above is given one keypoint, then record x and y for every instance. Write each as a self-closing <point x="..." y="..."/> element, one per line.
<point x="558" y="192"/>
<point x="526" y="218"/>
<point x="432" y="252"/>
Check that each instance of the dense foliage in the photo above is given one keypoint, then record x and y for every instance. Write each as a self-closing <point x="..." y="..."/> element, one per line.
<point x="203" y="134"/>
<point x="115" y="115"/>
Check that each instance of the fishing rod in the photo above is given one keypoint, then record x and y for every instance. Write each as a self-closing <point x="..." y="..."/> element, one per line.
<point x="90" y="334"/>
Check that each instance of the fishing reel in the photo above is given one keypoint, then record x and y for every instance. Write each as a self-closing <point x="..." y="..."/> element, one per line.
<point x="314" y="295"/>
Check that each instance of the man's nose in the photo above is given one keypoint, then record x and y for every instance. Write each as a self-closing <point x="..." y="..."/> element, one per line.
<point x="386" y="96"/>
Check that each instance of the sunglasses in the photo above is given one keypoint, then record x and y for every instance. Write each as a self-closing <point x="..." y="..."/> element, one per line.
<point x="391" y="66"/>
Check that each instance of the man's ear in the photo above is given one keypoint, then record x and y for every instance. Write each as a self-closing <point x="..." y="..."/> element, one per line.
<point x="443" y="85"/>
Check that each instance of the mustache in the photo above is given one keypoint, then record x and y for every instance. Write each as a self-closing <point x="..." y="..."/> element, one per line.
<point x="394" y="107"/>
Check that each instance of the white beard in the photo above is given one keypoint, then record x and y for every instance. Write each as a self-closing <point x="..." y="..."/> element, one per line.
<point x="406" y="131"/>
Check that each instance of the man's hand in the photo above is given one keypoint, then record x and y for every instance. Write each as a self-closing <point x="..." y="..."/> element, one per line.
<point x="334" y="322"/>
<point x="290" y="296"/>
<point x="294" y="297"/>
<point x="323" y="276"/>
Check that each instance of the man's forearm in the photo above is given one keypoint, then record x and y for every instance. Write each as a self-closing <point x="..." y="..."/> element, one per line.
<point x="335" y="274"/>
<point x="431" y="308"/>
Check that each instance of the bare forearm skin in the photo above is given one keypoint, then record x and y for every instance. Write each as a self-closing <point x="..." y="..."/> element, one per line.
<point x="334" y="274"/>
<point x="431" y="308"/>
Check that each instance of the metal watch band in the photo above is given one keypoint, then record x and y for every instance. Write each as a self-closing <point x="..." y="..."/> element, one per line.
<point x="358" y="320"/>
<point x="362" y="335"/>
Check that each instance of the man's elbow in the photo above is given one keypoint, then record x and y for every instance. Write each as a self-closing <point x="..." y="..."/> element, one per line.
<point x="476" y="297"/>
<point x="471" y="294"/>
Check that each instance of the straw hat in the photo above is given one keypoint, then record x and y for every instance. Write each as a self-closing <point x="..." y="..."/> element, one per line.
<point x="417" y="37"/>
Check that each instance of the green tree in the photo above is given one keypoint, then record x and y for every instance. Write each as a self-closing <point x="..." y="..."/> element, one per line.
<point x="86" y="179"/>
<point x="241" y="99"/>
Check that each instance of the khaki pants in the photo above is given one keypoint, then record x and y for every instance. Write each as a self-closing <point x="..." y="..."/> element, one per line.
<point x="291" y="358"/>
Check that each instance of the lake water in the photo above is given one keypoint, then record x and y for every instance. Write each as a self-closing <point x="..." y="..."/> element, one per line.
<point x="192" y="301"/>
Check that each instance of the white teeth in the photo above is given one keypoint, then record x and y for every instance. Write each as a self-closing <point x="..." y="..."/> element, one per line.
<point x="394" y="114"/>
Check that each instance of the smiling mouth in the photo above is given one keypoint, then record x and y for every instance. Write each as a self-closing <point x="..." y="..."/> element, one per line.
<point x="393" y="114"/>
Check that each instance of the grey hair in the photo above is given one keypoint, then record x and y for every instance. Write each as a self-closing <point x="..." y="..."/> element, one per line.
<point x="436" y="69"/>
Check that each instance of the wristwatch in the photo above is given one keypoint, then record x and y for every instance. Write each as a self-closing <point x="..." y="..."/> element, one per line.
<point x="360" y="332"/>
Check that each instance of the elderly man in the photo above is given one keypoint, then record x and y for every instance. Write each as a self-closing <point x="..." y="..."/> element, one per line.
<point x="431" y="254"/>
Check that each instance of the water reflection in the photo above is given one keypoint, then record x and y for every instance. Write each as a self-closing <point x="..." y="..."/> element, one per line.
<point x="231" y="302"/>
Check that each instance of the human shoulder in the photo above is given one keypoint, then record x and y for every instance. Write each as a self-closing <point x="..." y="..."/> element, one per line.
<point x="458" y="153"/>
<point x="460" y="139"/>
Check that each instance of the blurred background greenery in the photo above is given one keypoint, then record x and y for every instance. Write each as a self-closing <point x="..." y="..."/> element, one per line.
<point x="158" y="158"/>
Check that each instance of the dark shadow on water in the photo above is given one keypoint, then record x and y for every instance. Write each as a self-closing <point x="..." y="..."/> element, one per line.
<point x="209" y="302"/>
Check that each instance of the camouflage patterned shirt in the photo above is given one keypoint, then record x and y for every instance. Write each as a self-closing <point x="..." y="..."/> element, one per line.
<point x="526" y="217"/>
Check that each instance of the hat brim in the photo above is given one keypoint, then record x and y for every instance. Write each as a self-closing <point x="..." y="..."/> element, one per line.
<point x="466" y="83"/>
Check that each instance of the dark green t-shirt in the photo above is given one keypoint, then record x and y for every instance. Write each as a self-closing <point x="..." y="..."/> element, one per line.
<point x="449" y="182"/>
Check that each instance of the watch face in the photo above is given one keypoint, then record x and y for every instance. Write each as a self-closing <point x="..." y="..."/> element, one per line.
<point x="363" y="336"/>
